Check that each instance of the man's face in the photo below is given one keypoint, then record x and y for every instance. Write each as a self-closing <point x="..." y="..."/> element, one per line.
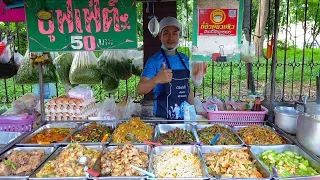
<point x="170" y="36"/>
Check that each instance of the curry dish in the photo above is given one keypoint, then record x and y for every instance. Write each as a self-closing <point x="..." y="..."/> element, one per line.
<point x="136" y="127"/>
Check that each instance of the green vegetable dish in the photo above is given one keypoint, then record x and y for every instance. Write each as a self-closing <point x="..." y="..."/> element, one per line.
<point x="227" y="137"/>
<point x="288" y="164"/>
<point x="176" y="136"/>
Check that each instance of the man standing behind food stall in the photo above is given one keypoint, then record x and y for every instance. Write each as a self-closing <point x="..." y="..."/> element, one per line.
<point x="167" y="73"/>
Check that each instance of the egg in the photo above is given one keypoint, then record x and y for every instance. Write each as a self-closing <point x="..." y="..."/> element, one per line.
<point x="71" y="101"/>
<point x="58" y="101"/>
<point x="64" y="114"/>
<point x="70" y="114"/>
<point x="65" y="101"/>
<point x="81" y="108"/>
<point x="78" y="102"/>
<point x="74" y="107"/>
<point x="68" y="118"/>
<point x="68" y="107"/>
<point x="55" y="107"/>
<point x="52" y="101"/>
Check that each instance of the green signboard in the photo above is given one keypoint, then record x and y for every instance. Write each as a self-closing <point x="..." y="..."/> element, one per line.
<point x="82" y="25"/>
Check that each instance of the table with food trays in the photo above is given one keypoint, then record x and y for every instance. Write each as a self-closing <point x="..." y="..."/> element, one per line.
<point x="168" y="151"/>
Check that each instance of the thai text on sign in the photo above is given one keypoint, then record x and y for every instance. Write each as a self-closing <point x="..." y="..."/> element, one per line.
<point x="83" y="25"/>
<point x="217" y="22"/>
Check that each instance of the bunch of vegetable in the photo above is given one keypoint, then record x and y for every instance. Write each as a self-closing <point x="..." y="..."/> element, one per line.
<point x="176" y="136"/>
<point x="92" y="133"/>
<point x="28" y="73"/>
<point x="287" y="163"/>
<point x="112" y="63"/>
<point x="84" y="69"/>
<point x="227" y="137"/>
<point x="63" y="64"/>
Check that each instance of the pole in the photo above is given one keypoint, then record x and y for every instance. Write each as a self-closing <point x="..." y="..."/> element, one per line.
<point x="41" y="91"/>
<point x="247" y="28"/>
<point x="274" y="59"/>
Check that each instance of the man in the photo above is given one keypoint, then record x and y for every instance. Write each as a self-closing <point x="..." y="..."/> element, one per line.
<point x="167" y="73"/>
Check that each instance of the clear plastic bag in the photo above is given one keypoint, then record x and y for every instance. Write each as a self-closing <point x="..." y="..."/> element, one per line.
<point x="81" y="92"/>
<point x="137" y="64"/>
<point x="6" y="52"/>
<point x="63" y="64"/>
<point x="198" y="71"/>
<point x="3" y="109"/>
<point x="116" y="64"/>
<point x="17" y="59"/>
<point x="198" y="106"/>
<point x="84" y="69"/>
<point x="126" y="108"/>
<point x="110" y="84"/>
<point x="28" y="72"/>
<point x="247" y="52"/>
<point x="26" y="104"/>
<point x="109" y="109"/>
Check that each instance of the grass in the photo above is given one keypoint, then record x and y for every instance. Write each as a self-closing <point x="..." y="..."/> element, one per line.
<point x="218" y="78"/>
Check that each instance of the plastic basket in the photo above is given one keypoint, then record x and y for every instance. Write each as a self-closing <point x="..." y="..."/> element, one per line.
<point x="17" y="122"/>
<point x="257" y="116"/>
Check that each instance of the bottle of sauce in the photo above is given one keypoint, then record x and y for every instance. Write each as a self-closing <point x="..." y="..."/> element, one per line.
<point x="257" y="104"/>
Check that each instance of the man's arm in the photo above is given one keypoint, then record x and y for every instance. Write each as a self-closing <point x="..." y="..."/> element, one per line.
<point x="147" y="84"/>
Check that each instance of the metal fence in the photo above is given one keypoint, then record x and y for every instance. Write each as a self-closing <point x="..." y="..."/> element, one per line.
<point x="297" y="63"/>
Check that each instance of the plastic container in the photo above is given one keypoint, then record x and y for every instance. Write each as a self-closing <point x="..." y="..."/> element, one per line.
<point x="17" y="122"/>
<point x="257" y="116"/>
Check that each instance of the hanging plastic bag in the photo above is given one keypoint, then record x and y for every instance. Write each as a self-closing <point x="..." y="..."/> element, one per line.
<point x="115" y="63"/>
<point x="26" y="104"/>
<point x="5" y="51"/>
<point x="17" y="59"/>
<point x="137" y="64"/>
<point x="63" y="64"/>
<point x="247" y="52"/>
<point x="28" y="73"/>
<point x="198" y="71"/>
<point x="84" y="69"/>
<point x="110" y="84"/>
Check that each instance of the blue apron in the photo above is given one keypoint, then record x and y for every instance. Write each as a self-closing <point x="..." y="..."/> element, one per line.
<point x="175" y="92"/>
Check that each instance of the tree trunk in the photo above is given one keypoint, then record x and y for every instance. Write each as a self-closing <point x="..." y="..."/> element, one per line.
<point x="260" y="27"/>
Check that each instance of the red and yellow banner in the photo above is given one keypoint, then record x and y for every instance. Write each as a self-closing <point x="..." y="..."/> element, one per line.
<point x="217" y="22"/>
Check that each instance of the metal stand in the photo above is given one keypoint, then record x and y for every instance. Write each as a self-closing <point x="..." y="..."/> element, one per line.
<point x="41" y="92"/>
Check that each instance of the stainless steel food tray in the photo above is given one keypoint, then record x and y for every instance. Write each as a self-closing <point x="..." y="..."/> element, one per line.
<point x="117" y="125"/>
<point x="55" y="155"/>
<point x="97" y="166"/>
<point x="256" y="150"/>
<point x="68" y="139"/>
<point x="206" y="149"/>
<point x="201" y="126"/>
<point x="236" y="128"/>
<point x="47" y="126"/>
<point x="190" y="148"/>
<point x="48" y="151"/>
<point x="164" y="128"/>
<point x="7" y="137"/>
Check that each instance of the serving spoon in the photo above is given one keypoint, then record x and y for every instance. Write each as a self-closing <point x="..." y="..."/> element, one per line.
<point x="84" y="160"/>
